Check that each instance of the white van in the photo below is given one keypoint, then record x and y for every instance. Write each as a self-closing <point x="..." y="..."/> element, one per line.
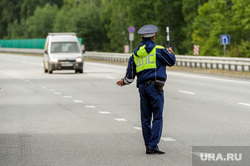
<point x="62" y="51"/>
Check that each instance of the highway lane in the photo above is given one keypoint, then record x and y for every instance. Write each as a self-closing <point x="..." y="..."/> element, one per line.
<point x="85" y="119"/>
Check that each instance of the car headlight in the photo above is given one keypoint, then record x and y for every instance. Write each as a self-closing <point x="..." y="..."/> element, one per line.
<point x="55" y="60"/>
<point x="78" y="59"/>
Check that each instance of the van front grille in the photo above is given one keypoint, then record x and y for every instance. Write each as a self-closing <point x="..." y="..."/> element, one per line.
<point x="66" y="60"/>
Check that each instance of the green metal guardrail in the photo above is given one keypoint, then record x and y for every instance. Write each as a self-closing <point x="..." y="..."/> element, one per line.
<point x="25" y="43"/>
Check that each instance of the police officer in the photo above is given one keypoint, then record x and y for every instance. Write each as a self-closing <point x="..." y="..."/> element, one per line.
<point x="148" y="62"/>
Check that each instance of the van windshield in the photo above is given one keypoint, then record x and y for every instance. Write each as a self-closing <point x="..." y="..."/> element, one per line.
<point x="64" y="47"/>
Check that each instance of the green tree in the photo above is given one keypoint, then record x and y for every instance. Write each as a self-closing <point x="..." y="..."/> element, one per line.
<point x="9" y="13"/>
<point x="176" y="22"/>
<point x="213" y="20"/>
<point x="17" y="30"/>
<point x="103" y="24"/>
<point x="115" y="25"/>
<point x="161" y="13"/>
<point x="223" y="17"/>
<point x="66" y="17"/>
<point x="189" y="12"/>
<point x="89" y="25"/>
<point x="13" y="15"/>
<point x="41" y="23"/>
<point x="240" y="29"/>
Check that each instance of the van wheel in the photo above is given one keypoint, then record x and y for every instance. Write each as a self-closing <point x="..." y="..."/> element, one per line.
<point x="50" y="69"/>
<point x="45" y="70"/>
<point x="78" y="71"/>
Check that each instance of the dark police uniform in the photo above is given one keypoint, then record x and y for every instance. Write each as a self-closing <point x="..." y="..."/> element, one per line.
<point x="148" y="62"/>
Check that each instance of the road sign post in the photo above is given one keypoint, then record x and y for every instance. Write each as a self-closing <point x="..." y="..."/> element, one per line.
<point x="131" y="38"/>
<point x="224" y="39"/>
<point x="131" y="31"/>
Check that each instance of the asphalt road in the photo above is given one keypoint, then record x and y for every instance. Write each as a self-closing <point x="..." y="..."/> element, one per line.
<point x="85" y="119"/>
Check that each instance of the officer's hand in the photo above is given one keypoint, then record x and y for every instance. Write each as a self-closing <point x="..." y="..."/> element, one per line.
<point x="120" y="83"/>
<point x="170" y="50"/>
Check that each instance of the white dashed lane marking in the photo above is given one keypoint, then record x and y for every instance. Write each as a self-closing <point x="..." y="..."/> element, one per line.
<point x="104" y="112"/>
<point x="198" y="153"/>
<point x="120" y="119"/>
<point x="187" y="92"/>
<point x="138" y="128"/>
<point x="245" y="104"/>
<point x="68" y="97"/>
<point x="168" y="139"/>
<point x="112" y="78"/>
<point x="57" y="93"/>
<point x="77" y="101"/>
<point x="90" y="106"/>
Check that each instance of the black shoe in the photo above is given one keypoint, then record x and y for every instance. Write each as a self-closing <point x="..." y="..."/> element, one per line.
<point x="154" y="151"/>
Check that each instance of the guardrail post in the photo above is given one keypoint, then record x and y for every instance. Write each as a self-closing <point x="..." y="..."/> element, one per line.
<point x="242" y="67"/>
<point x="217" y="66"/>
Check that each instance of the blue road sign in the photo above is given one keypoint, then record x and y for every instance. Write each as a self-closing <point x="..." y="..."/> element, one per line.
<point x="131" y="29"/>
<point x="224" y="39"/>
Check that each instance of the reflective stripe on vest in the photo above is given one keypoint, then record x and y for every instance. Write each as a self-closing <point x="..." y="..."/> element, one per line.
<point x="146" y="61"/>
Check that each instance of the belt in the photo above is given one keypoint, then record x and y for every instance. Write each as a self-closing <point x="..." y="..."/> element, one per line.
<point x="148" y="82"/>
<point x="158" y="84"/>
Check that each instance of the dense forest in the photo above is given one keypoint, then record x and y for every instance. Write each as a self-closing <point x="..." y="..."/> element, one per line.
<point x="103" y="24"/>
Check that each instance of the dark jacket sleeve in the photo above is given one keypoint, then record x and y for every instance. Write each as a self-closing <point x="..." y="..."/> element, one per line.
<point x="165" y="57"/>
<point x="131" y="71"/>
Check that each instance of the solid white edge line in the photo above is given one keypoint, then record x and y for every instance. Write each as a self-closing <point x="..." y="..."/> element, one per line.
<point x="205" y="77"/>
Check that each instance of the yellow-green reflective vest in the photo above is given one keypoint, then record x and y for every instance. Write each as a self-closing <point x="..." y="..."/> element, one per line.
<point x="144" y="60"/>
